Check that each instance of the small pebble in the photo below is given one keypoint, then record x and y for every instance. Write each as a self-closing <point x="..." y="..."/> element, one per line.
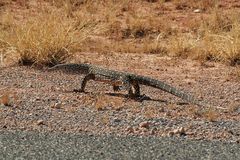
<point x="197" y="11"/>
<point x="40" y="122"/>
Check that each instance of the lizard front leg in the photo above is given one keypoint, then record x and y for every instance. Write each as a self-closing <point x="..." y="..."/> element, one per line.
<point x="88" y="77"/>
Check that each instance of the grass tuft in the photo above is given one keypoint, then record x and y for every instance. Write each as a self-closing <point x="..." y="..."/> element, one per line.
<point x="49" y="38"/>
<point x="5" y="99"/>
<point x="221" y="37"/>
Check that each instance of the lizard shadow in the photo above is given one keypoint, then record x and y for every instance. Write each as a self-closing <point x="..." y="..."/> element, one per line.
<point x="139" y="99"/>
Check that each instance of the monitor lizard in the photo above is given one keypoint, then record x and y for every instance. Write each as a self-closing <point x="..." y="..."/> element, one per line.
<point x="121" y="80"/>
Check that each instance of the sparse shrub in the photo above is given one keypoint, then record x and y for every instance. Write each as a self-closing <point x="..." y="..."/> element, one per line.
<point x="139" y="27"/>
<point x="136" y="28"/>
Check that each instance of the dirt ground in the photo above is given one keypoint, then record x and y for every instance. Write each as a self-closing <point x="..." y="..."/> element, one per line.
<point x="33" y="99"/>
<point x="39" y="100"/>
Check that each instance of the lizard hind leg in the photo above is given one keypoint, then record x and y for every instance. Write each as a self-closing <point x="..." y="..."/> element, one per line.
<point x="137" y="95"/>
<point x="126" y="85"/>
<point x="131" y="86"/>
<point x="136" y="87"/>
<point x="116" y="88"/>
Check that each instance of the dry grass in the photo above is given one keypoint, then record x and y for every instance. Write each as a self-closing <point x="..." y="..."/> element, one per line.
<point x="49" y="38"/>
<point x="221" y="37"/>
<point x="195" y="4"/>
<point x="102" y="102"/>
<point x="8" y="98"/>
<point x="55" y="34"/>
<point x="216" y="38"/>
<point x="210" y="114"/>
<point x="5" y="99"/>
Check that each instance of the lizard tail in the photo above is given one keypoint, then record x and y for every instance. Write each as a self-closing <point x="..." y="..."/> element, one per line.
<point x="167" y="88"/>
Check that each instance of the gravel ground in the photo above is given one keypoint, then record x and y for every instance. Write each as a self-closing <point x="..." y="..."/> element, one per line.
<point x="33" y="145"/>
<point x="36" y="100"/>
